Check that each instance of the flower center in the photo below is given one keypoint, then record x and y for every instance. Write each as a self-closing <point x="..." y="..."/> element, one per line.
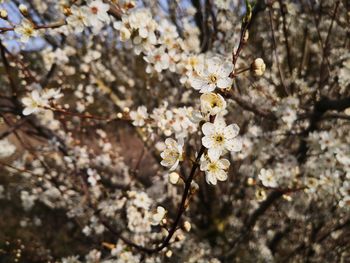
<point x="94" y="10"/>
<point x="213" y="78"/>
<point x="212" y="167"/>
<point x="219" y="138"/>
<point x="28" y="31"/>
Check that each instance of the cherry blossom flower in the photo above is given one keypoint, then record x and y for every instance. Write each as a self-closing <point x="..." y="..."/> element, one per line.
<point x="33" y="103"/>
<point x="172" y="154"/>
<point x="219" y="137"/>
<point x="78" y="20"/>
<point x="158" y="216"/>
<point x="267" y="178"/>
<point x="214" y="74"/>
<point x="26" y="31"/>
<point x="212" y="103"/>
<point x="139" y="116"/>
<point x="98" y="14"/>
<point x="157" y="59"/>
<point x="215" y="170"/>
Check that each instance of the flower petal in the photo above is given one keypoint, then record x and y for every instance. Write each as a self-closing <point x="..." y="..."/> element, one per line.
<point x="234" y="145"/>
<point x="231" y="131"/>
<point x="208" y="128"/>
<point x="224" y="83"/>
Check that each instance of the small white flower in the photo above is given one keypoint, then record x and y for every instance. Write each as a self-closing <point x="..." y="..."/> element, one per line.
<point x="159" y="59"/>
<point x="33" y="103"/>
<point x="78" y="20"/>
<point x="219" y="137"/>
<point x="267" y="178"/>
<point x="158" y="216"/>
<point x="172" y="154"/>
<point x="214" y="74"/>
<point x="98" y="13"/>
<point x="212" y="103"/>
<point x="215" y="170"/>
<point x="26" y="31"/>
<point x="139" y="116"/>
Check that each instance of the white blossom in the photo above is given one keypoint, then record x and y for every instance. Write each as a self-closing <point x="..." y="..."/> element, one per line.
<point x="212" y="103"/>
<point x="218" y="137"/>
<point x="139" y="116"/>
<point x="158" y="216"/>
<point x="26" y="31"/>
<point x="267" y="178"/>
<point x="215" y="170"/>
<point x="214" y="74"/>
<point x="172" y="154"/>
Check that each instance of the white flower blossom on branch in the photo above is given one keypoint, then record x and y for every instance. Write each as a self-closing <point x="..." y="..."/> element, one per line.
<point x="218" y="137"/>
<point x="172" y="154"/>
<point x="213" y="74"/>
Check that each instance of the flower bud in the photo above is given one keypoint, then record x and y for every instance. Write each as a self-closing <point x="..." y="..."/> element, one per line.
<point x="3" y="14"/>
<point x="169" y="253"/>
<point x="174" y="178"/>
<point x="246" y="36"/>
<point x="258" y="67"/>
<point x="23" y="9"/>
<point x="187" y="226"/>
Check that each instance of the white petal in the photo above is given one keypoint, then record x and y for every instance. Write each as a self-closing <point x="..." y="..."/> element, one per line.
<point x="28" y="111"/>
<point x="198" y="82"/>
<point x="27" y="101"/>
<point x="170" y="142"/>
<point x="174" y="166"/>
<point x="203" y="166"/>
<point x="231" y="131"/>
<point x="210" y="178"/>
<point x="234" y="145"/>
<point x="223" y="164"/>
<point x="213" y="65"/>
<point x="221" y="175"/>
<point x="207" y="88"/>
<point x="208" y="142"/>
<point x="225" y="69"/>
<point x="224" y="83"/>
<point x="208" y="128"/>
<point x="214" y="154"/>
<point x="143" y="32"/>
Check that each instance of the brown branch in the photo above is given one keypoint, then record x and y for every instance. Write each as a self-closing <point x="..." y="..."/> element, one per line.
<point x="274" y="43"/>
<point x="285" y="33"/>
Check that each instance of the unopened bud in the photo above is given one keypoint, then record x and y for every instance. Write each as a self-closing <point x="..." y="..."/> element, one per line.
<point x="258" y="67"/>
<point x="3" y="14"/>
<point x="174" y="178"/>
<point x="169" y="253"/>
<point x="250" y="181"/>
<point x="187" y="226"/>
<point x="194" y="187"/>
<point x="23" y="9"/>
<point x="246" y="36"/>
